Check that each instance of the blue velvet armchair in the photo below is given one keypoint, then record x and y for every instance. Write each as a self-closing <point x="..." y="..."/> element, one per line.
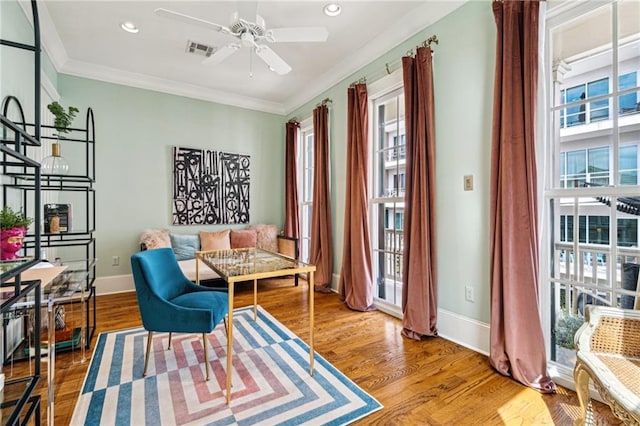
<point x="170" y="302"/>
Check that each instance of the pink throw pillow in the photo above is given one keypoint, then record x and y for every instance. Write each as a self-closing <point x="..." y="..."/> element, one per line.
<point x="155" y="238"/>
<point x="244" y="238"/>
<point x="215" y="240"/>
<point x="267" y="237"/>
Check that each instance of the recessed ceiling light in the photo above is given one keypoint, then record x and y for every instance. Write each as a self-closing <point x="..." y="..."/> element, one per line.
<point x="129" y="27"/>
<point x="332" y="9"/>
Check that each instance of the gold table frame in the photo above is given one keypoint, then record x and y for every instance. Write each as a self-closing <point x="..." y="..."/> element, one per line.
<point x="252" y="264"/>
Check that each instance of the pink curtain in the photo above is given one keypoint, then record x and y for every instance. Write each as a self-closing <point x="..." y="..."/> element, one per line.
<point x="291" y="218"/>
<point x="517" y="342"/>
<point x="356" y="283"/>
<point x="321" y="239"/>
<point x="419" y="277"/>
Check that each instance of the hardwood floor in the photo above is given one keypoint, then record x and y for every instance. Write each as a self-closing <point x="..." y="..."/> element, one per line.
<point x="431" y="382"/>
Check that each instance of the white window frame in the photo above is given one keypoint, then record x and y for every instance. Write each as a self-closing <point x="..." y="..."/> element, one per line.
<point x="377" y="90"/>
<point x="304" y="173"/>
<point x="549" y="151"/>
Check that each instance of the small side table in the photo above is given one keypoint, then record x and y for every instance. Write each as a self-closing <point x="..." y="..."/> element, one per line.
<point x="59" y="284"/>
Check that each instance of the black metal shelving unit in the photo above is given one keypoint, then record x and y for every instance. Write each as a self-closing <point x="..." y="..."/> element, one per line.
<point x="83" y="184"/>
<point x="82" y="232"/>
<point x="19" y="405"/>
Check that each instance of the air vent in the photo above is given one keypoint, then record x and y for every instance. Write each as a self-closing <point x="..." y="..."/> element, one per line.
<point x="199" y="48"/>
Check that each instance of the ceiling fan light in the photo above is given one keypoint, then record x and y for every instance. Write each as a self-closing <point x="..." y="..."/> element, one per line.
<point x="332" y="9"/>
<point x="129" y="27"/>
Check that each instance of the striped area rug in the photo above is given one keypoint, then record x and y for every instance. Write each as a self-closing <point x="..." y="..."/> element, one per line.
<point x="271" y="381"/>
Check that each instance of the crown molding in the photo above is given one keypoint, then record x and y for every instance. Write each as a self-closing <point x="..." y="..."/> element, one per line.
<point x="143" y="81"/>
<point x="410" y="25"/>
<point x="50" y="39"/>
<point x="54" y="48"/>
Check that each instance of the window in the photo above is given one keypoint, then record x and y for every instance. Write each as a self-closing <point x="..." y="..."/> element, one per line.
<point x="387" y="202"/>
<point x="585" y="167"/>
<point x="592" y="198"/>
<point x="305" y="187"/>
<point x="598" y="109"/>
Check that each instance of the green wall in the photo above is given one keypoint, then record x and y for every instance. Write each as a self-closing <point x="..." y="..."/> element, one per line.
<point x="14" y="81"/>
<point x="135" y="132"/>
<point x="463" y="79"/>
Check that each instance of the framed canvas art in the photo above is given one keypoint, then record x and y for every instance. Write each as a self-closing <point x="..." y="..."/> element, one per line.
<point x="210" y="187"/>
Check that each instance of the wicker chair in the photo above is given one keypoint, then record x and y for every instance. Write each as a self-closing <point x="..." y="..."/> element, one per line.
<point x="609" y="354"/>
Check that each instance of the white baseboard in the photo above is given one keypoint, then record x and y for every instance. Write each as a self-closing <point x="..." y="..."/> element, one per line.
<point x="464" y="331"/>
<point x="114" y="284"/>
<point x="467" y="332"/>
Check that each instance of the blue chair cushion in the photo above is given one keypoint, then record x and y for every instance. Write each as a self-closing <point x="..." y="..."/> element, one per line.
<point x="210" y="300"/>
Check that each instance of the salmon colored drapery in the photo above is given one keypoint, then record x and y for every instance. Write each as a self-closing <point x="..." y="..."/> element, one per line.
<point x="517" y="342"/>
<point x="419" y="278"/>
<point x="356" y="282"/>
<point x="321" y="251"/>
<point x="291" y="216"/>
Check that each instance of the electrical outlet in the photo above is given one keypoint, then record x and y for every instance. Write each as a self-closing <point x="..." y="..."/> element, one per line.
<point x="468" y="182"/>
<point x="115" y="261"/>
<point x="468" y="294"/>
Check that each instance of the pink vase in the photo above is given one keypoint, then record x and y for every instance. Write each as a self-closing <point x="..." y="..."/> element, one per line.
<point x="12" y="242"/>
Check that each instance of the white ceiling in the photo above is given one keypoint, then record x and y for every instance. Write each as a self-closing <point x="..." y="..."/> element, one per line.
<point x="84" y="38"/>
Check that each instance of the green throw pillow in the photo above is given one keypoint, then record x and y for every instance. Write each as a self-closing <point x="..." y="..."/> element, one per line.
<point x="185" y="245"/>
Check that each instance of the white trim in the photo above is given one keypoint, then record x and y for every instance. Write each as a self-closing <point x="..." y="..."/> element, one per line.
<point x="112" y="75"/>
<point x="48" y="87"/>
<point x="467" y="332"/>
<point x="51" y="42"/>
<point x="384" y="85"/>
<point x="464" y="331"/>
<point x="410" y="25"/>
<point x="114" y="284"/>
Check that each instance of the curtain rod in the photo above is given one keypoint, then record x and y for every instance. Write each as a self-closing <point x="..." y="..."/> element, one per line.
<point x="390" y="67"/>
<point x="324" y="102"/>
<point x="294" y="120"/>
<point x="425" y="43"/>
<point x="362" y="80"/>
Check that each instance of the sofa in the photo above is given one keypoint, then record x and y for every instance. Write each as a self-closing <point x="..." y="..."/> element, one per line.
<point x="185" y="245"/>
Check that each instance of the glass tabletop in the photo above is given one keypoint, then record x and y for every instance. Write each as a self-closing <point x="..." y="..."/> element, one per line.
<point x="70" y="281"/>
<point x="249" y="261"/>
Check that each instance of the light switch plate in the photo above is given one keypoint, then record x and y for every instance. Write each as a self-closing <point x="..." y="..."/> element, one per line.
<point x="468" y="182"/>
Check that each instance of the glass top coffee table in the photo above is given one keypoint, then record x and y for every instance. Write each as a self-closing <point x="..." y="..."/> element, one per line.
<point x="252" y="264"/>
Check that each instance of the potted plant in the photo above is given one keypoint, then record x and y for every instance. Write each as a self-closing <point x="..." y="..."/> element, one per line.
<point x="13" y="228"/>
<point x="63" y="119"/>
<point x="55" y="164"/>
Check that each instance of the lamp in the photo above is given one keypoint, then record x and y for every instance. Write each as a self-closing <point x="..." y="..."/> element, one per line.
<point x="55" y="164"/>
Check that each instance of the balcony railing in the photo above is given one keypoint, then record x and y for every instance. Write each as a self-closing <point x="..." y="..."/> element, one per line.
<point x="393" y="248"/>
<point x="592" y="275"/>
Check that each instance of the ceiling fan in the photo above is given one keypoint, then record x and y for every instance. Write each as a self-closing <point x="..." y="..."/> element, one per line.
<point x="251" y="34"/>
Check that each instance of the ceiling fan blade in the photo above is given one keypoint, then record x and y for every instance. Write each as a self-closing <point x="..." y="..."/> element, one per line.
<point x="221" y="54"/>
<point x="271" y="58"/>
<point x="170" y="14"/>
<point x="295" y="34"/>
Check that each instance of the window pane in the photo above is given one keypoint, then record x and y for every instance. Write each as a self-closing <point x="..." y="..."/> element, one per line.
<point x="629" y="103"/>
<point x="599" y="110"/>
<point x="594" y="231"/>
<point x="389" y="154"/>
<point x="628" y="165"/>
<point x="575" y="114"/>
<point x="576" y="169"/>
<point x="628" y="232"/>
<point x="599" y="166"/>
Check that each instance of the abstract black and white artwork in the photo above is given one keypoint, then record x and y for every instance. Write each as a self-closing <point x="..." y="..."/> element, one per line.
<point x="210" y="187"/>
